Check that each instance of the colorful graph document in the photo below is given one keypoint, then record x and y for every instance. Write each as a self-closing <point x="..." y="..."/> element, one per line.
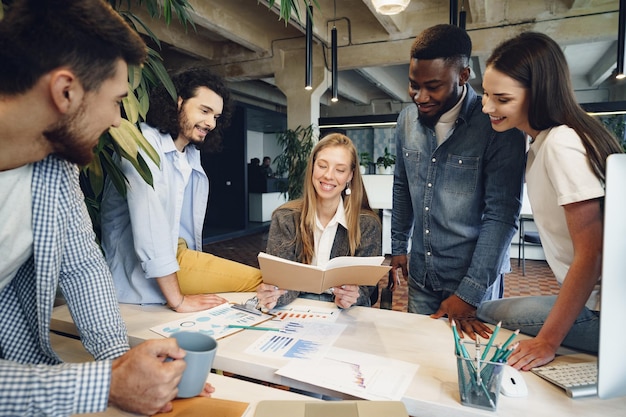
<point x="298" y="340"/>
<point x="213" y="322"/>
<point x="362" y="375"/>
<point x="307" y="313"/>
<point x="308" y="278"/>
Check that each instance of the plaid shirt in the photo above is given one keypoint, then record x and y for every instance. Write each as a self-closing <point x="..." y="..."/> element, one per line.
<point x="33" y="381"/>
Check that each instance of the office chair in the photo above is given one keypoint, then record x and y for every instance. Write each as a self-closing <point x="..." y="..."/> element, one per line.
<point x="525" y="237"/>
<point x="386" y="295"/>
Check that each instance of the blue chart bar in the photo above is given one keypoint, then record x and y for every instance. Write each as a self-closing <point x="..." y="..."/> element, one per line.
<point x="276" y="343"/>
<point x="292" y="327"/>
<point x="220" y="311"/>
<point x="302" y="349"/>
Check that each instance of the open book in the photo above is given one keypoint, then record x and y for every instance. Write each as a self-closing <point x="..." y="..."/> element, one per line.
<point x="342" y="270"/>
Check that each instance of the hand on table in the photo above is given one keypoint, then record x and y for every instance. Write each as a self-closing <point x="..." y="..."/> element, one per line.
<point x="268" y="295"/>
<point x="346" y="295"/>
<point x="464" y="315"/>
<point x="142" y="381"/>
<point x="532" y="353"/>
<point x="199" y="302"/>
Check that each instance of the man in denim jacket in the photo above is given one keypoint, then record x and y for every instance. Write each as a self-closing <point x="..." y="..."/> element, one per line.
<point x="457" y="186"/>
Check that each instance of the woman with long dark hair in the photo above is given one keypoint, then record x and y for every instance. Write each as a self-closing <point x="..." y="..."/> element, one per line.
<point x="527" y="86"/>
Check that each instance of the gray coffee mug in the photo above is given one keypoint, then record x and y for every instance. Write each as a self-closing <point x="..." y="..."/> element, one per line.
<point x="200" y="350"/>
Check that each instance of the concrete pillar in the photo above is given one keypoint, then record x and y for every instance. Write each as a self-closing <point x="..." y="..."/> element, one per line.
<point x="303" y="106"/>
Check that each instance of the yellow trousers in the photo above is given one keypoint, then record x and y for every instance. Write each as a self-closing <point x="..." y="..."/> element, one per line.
<point x="203" y="273"/>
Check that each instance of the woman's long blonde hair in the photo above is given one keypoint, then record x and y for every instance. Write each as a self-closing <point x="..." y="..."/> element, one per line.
<point x="355" y="204"/>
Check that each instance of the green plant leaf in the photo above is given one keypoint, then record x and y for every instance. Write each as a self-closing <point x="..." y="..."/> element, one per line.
<point x="134" y="21"/>
<point x="287" y="6"/>
<point x="95" y="175"/>
<point x="144" y="101"/>
<point x="125" y="138"/>
<point x="117" y="177"/>
<point x="160" y="73"/>
<point x="129" y="139"/>
<point x="297" y="145"/>
<point x="140" y="166"/>
<point x="134" y="77"/>
<point x="131" y="107"/>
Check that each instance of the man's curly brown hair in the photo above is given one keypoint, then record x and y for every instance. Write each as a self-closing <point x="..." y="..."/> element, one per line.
<point x="164" y="115"/>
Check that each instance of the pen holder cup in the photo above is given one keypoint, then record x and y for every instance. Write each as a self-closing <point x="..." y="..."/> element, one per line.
<point x="479" y="380"/>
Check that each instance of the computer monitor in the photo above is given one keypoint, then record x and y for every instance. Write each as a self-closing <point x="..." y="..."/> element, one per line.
<point x="611" y="353"/>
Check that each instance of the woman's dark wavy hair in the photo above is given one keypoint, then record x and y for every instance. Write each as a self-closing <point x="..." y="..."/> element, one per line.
<point x="163" y="112"/>
<point x="537" y="62"/>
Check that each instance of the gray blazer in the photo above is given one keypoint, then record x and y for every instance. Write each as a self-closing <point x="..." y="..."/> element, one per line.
<point x="282" y="242"/>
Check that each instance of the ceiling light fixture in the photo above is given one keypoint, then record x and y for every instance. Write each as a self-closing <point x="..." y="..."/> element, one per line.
<point x="389" y="7"/>
<point x="333" y="49"/>
<point x="333" y="53"/>
<point x="454" y="12"/>
<point x="462" y="16"/>
<point x="308" y="75"/>
<point x="621" y="40"/>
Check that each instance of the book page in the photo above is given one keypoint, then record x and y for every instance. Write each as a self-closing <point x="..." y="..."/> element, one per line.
<point x="353" y="261"/>
<point x="306" y="278"/>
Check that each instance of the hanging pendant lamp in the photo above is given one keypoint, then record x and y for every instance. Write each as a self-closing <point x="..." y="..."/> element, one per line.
<point x="308" y="76"/>
<point x="389" y="7"/>
<point x="333" y="50"/>
<point x="621" y="40"/>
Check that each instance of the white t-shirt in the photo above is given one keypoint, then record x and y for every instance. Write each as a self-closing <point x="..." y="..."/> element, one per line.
<point x="16" y="227"/>
<point x="445" y="125"/>
<point x="558" y="173"/>
<point x="182" y="163"/>
<point x="324" y="237"/>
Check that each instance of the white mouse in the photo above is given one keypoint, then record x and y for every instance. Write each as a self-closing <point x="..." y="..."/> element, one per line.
<point x="513" y="384"/>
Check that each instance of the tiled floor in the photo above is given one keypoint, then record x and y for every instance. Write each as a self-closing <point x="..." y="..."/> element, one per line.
<point x="539" y="279"/>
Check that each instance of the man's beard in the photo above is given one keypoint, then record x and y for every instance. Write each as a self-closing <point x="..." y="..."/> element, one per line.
<point x="450" y="102"/>
<point x="429" y="121"/>
<point x="188" y="129"/>
<point x="67" y="140"/>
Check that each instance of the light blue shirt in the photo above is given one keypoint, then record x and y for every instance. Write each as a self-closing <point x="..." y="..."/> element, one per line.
<point x="140" y="233"/>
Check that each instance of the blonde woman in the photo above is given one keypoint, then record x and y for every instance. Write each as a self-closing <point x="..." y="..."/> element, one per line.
<point x="333" y="218"/>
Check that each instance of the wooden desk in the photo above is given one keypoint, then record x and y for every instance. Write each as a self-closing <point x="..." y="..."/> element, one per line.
<point x="408" y="337"/>
<point x="71" y="350"/>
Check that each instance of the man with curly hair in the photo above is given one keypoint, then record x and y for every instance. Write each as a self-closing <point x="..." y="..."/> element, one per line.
<point x="152" y="238"/>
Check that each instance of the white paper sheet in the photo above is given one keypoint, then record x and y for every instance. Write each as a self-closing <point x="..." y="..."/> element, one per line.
<point x="306" y="312"/>
<point x="213" y="322"/>
<point x="362" y="375"/>
<point x="298" y="339"/>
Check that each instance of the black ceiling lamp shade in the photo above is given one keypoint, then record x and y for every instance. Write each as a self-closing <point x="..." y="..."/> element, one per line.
<point x="333" y="50"/>
<point x="621" y="40"/>
<point x="454" y="11"/>
<point x="462" y="16"/>
<point x="308" y="76"/>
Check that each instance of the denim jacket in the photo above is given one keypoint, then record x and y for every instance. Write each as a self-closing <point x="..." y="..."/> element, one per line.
<point x="460" y="200"/>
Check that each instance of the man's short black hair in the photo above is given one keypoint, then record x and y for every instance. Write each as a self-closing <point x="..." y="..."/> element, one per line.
<point x="443" y="41"/>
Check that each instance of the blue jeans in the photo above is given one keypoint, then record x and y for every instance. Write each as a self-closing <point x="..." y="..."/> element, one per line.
<point x="529" y="314"/>
<point x="425" y="300"/>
